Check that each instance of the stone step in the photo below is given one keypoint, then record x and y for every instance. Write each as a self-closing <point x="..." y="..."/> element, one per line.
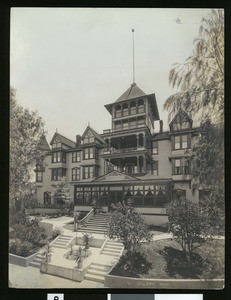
<point x="58" y="246"/>
<point x="113" y="247"/>
<point x="114" y="244"/>
<point x="109" y="253"/>
<point x="97" y="222"/>
<point x="59" y="243"/>
<point x="96" y="272"/>
<point x="95" y="230"/>
<point x="64" y="239"/>
<point x="111" y="250"/>
<point x="99" y="268"/>
<point x="38" y="259"/>
<point x="35" y="264"/>
<point x="101" y="265"/>
<point x="94" y="278"/>
<point x="40" y="256"/>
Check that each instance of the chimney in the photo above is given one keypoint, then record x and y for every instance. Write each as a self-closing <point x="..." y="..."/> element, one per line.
<point x="161" y="126"/>
<point x="78" y="140"/>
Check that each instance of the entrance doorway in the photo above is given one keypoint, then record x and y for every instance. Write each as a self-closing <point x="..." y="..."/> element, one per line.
<point x="115" y="197"/>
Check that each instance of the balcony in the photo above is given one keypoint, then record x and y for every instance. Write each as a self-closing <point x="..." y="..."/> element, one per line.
<point x="105" y="131"/>
<point x="124" y="150"/>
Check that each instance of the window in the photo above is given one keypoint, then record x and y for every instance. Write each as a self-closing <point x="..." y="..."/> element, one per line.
<point x="47" y="198"/>
<point x="56" y="144"/>
<point x="88" y="172"/>
<point x="125" y="124"/>
<point x="133" y="107"/>
<point x="181" y="142"/>
<point x="58" y="157"/>
<point x="39" y="176"/>
<point x="118" y="125"/>
<point x="140" y="121"/>
<point x="76" y="156"/>
<point x="75" y="174"/>
<point x="125" y="109"/>
<point x="88" y="139"/>
<point x="184" y="139"/>
<point x="88" y="153"/>
<point x="155" y="147"/>
<point x="117" y="111"/>
<point x="155" y="168"/>
<point x="181" y="166"/>
<point x="57" y="174"/>
<point x="141" y="106"/>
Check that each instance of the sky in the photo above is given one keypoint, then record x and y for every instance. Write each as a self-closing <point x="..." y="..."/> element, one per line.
<point x="67" y="63"/>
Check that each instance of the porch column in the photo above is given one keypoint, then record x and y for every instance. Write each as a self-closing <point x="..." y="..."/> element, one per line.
<point x="137" y="140"/>
<point x="138" y="164"/>
<point x="144" y="140"/>
<point x="109" y="144"/>
<point x="144" y="164"/>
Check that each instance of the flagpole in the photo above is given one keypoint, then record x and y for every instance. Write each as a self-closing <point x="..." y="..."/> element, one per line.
<point x="133" y="55"/>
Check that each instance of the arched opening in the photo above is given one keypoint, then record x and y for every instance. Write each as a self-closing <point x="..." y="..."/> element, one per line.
<point x="118" y="111"/>
<point x="141" y="106"/>
<point x="133" y="108"/>
<point x="125" y="109"/>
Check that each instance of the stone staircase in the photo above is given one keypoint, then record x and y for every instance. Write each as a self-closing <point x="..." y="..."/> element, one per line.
<point x="97" y="271"/>
<point x="62" y="241"/>
<point x="112" y="248"/>
<point x="97" y="224"/>
<point x="36" y="262"/>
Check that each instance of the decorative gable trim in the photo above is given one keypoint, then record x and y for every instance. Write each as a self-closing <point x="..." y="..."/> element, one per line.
<point x="116" y="176"/>
<point x="182" y="115"/>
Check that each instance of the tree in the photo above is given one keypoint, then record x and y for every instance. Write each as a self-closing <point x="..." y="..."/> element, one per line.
<point x="188" y="224"/>
<point x="201" y="77"/>
<point x="207" y="158"/>
<point x="26" y="130"/>
<point x="127" y="226"/>
<point x="61" y="194"/>
<point x="201" y="82"/>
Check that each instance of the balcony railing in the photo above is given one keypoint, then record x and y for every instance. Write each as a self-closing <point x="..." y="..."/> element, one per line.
<point x="123" y="150"/>
<point x="124" y="128"/>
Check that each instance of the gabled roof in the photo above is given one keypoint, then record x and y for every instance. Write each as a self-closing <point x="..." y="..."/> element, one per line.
<point x="45" y="144"/>
<point x="183" y="115"/>
<point x="63" y="140"/>
<point x="116" y="176"/>
<point x="132" y="92"/>
<point x="94" y="133"/>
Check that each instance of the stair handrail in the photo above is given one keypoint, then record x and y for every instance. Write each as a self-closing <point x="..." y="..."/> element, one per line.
<point x="84" y="220"/>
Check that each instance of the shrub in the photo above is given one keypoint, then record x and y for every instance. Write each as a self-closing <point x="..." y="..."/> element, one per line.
<point x="132" y="264"/>
<point x="30" y="232"/>
<point x="188" y="224"/>
<point x="56" y="232"/>
<point x="22" y="249"/>
<point x="128" y="227"/>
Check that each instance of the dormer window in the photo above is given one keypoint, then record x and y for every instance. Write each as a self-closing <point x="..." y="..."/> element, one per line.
<point x="181" y="121"/>
<point x="56" y="144"/>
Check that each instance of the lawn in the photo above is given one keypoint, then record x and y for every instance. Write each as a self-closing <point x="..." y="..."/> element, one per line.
<point x="164" y="259"/>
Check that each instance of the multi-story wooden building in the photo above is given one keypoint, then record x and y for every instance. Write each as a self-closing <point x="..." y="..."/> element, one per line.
<point x="129" y="161"/>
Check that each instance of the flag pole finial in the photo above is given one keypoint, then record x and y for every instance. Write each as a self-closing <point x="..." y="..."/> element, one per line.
<point x="133" y="49"/>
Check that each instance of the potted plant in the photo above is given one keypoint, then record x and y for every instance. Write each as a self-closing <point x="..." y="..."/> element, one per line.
<point x="80" y="258"/>
<point x="47" y="253"/>
<point x="86" y="239"/>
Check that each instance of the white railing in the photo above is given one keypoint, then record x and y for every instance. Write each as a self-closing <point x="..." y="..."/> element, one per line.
<point x="84" y="221"/>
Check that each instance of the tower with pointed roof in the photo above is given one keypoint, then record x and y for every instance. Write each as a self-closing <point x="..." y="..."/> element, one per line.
<point x="128" y="143"/>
